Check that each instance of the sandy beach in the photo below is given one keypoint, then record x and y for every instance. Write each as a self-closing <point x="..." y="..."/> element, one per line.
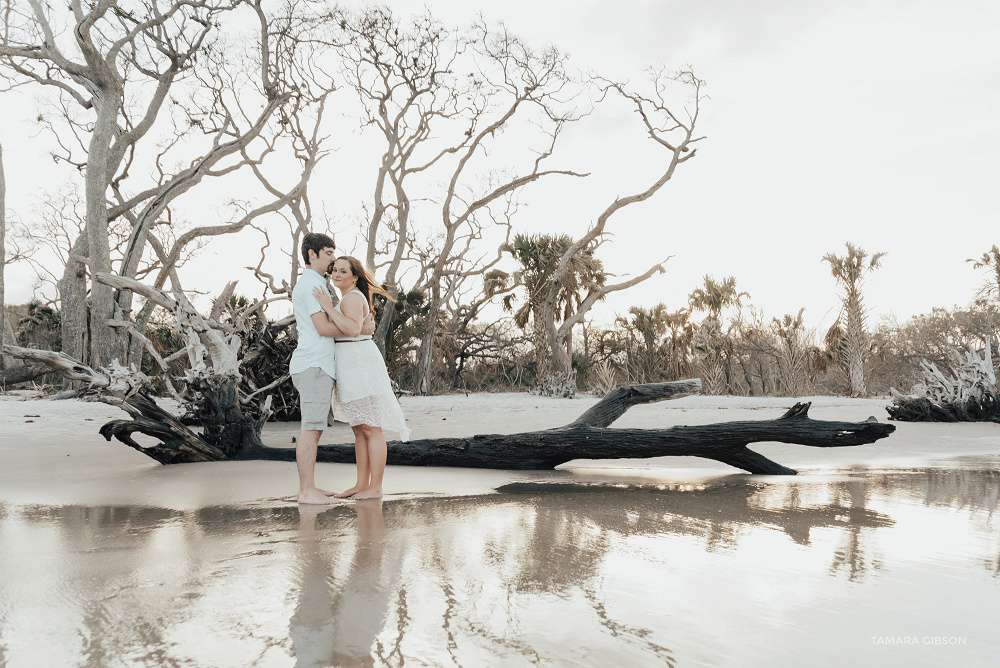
<point x="886" y="553"/>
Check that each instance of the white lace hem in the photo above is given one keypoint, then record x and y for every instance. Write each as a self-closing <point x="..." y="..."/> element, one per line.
<point x="376" y="410"/>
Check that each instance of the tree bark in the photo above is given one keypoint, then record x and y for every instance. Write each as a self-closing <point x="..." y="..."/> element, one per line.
<point x="73" y="302"/>
<point x="104" y="341"/>
<point x="224" y="426"/>
<point x="856" y="342"/>
<point x="383" y="330"/>
<point x="540" y="342"/>
<point x="425" y="354"/>
<point x="8" y="337"/>
<point x="177" y="442"/>
<point x="561" y="361"/>
<point x="227" y="433"/>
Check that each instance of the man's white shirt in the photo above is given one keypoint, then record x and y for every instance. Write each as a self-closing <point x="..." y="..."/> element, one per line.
<point x="312" y="349"/>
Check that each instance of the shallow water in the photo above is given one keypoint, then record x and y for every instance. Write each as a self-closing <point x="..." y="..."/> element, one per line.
<point x="879" y="567"/>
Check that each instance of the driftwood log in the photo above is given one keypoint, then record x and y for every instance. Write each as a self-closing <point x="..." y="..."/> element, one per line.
<point x="49" y="361"/>
<point x="21" y="373"/>
<point x="227" y="434"/>
<point x="226" y="431"/>
<point x="588" y="437"/>
<point x="985" y="408"/>
<point x="965" y="391"/>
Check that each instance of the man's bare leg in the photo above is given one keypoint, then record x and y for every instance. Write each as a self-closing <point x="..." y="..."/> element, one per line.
<point x="361" y="457"/>
<point x="377" y="452"/>
<point x="305" y="462"/>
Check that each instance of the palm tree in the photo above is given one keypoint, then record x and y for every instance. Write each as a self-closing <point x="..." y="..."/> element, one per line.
<point x="539" y="256"/>
<point x="712" y="342"/>
<point x="647" y="354"/>
<point x="38" y="327"/>
<point x="849" y="271"/>
<point x="680" y="352"/>
<point x="666" y="341"/>
<point x="793" y="358"/>
<point x="716" y="296"/>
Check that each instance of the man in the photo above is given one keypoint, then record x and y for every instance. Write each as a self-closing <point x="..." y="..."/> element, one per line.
<point x="312" y="367"/>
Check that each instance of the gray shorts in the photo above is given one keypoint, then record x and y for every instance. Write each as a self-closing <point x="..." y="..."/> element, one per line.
<point x="315" y="393"/>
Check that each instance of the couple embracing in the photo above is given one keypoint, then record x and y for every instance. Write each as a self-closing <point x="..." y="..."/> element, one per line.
<point x="338" y="370"/>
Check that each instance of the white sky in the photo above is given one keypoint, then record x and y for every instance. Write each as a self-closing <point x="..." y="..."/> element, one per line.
<point x="868" y="121"/>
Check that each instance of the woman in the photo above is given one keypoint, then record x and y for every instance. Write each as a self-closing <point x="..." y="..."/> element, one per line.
<point x="363" y="395"/>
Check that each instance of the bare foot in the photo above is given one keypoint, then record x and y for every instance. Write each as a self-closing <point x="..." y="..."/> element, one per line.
<point x="350" y="492"/>
<point x="367" y="494"/>
<point x="315" y="497"/>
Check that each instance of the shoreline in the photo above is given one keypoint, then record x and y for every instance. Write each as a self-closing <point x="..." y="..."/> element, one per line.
<point x="53" y="453"/>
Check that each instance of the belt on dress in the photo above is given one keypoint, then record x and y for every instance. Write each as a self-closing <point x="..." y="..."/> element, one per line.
<point x="351" y="340"/>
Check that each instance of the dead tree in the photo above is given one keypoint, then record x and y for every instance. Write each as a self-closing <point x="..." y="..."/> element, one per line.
<point x="209" y="389"/>
<point x="10" y="374"/>
<point x="463" y="338"/>
<point x="401" y="73"/>
<point x="672" y="131"/>
<point x="524" y="80"/>
<point x="87" y="73"/>
<point x="442" y="101"/>
<point x="965" y="392"/>
<point x="138" y="90"/>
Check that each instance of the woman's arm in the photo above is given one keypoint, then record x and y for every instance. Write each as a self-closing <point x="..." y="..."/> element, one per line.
<point x="348" y="323"/>
<point x="326" y="328"/>
<point x="323" y="325"/>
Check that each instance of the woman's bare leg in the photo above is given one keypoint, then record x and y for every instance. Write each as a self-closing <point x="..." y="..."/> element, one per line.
<point x="377" y="452"/>
<point x="361" y="457"/>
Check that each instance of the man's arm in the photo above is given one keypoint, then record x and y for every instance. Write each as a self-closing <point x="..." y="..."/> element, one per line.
<point x="368" y="326"/>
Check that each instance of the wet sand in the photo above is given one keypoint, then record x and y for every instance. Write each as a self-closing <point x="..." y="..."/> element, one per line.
<point x="886" y="554"/>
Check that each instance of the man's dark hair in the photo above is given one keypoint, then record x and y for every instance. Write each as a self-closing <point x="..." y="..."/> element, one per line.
<point x="315" y="242"/>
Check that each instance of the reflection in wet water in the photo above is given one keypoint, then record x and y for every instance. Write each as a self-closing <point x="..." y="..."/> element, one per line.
<point x="337" y="619"/>
<point x="735" y="572"/>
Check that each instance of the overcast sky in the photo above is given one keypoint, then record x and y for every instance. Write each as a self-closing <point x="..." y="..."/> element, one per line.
<point x="876" y="122"/>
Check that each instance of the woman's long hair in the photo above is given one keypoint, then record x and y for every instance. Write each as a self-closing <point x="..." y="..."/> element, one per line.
<point x="366" y="282"/>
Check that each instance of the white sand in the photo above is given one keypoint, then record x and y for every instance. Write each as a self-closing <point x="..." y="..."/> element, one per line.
<point x="51" y="452"/>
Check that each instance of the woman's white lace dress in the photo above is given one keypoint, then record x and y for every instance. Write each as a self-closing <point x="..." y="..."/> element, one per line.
<point x="363" y="393"/>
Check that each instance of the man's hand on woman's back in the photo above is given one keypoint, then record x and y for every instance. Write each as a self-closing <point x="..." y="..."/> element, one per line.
<point x="368" y="326"/>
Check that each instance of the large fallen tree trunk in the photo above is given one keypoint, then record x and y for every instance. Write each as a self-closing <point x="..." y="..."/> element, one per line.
<point x="588" y="437"/>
